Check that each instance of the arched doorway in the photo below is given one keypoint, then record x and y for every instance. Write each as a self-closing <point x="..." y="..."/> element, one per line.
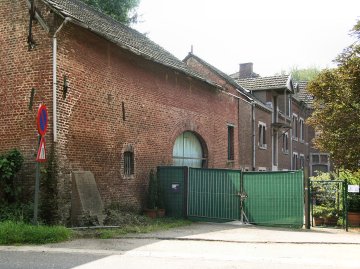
<point x="188" y="151"/>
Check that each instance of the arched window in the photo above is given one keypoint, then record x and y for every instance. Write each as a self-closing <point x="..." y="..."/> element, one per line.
<point x="188" y="151"/>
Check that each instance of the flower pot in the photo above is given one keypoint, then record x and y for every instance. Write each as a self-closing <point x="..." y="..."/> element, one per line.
<point x="160" y="213"/>
<point x="151" y="213"/>
<point x="331" y="221"/>
<point x="354" y="218"/>
<point x="318" y="221"/>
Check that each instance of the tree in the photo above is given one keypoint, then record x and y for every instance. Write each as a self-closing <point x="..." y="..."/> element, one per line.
<point x="121" y="10"/>
<point x="303" y="74"/>
<point x="306" y="74"/>
<point x="336" y="116"/>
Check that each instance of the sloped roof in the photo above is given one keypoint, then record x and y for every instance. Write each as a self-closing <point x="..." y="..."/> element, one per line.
<point x="303" y="95"/>
<point x="265" y="83"/>
<point x="224" y="76"/>
<point x="120" y="34"/>
<point x="237" y="74"/>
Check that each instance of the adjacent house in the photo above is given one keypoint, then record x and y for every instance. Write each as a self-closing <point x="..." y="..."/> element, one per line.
<point x="318" y="161"/>
<point x="290" y="104"/>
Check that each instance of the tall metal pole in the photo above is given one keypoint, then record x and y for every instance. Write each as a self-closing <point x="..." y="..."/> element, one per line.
<point x="37" y="189"/>
<point x="346" y="206"/>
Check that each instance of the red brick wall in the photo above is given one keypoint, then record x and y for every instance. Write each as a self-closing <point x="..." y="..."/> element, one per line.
<point x="263" y="156"/>
<point x="159" y="105"/>
<point x="243" y="125"/>
<point x="245" y="135"/>
<point x="20" y="71"/>
<point x="302" y="146"/>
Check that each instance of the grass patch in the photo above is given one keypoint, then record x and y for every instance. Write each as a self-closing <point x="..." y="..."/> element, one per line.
<point x="159" y="224"/>
<point x="14" y="233"/>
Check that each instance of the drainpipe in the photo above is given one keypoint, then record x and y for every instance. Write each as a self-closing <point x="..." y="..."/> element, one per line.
<point x="253" y="136"/>
<point x="55" y="77"/>
<point x="291" y="132"/>
<point x="239" y="138"/>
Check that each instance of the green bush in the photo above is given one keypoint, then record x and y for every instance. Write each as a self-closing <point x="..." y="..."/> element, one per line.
<point x="10" y="165"/>
<point x="321" y="211"/>
<point x="354" y="202"/>
<point x="152" y="191"/>
<point x="16" y="212"/>
<point x="12" y="233"/>
<point x="155" y="198"/>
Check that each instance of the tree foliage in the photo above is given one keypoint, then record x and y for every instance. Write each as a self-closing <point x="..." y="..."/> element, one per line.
<point x="336" y="114"/>
<point x="301" y="74"/>
<point x="10" y="165"/>
<point x="304" y="74"/>
<point x="121" y="10"/>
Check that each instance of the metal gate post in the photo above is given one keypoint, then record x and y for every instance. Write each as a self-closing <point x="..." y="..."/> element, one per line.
<point x="307" y="198"/>
<point x="242" y="195"/>
<point x="186" y="191"/>
<point x="346" y="205"/>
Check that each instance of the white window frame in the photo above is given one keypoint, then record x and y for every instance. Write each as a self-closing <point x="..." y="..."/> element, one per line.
<point x="285" y="138"/>
<point x="302" y="130"/>
<point x="262" y="169"/>
<point x="295" y="127"/>
<point x="295" y="160"/>
<point x="302" y="156"/>
<point x="262" y="135"/>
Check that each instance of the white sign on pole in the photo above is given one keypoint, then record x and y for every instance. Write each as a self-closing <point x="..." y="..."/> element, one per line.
<point x="353" y="188"/>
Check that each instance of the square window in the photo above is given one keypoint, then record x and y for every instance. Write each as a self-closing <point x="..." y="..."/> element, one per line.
<point x="315" y="158"/>
<point x="324" y="159"/>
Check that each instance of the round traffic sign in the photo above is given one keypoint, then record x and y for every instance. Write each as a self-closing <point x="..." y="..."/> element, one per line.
<point x="42" y="120"/>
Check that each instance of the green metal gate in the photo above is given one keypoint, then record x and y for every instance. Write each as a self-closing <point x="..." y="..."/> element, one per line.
<point x="173" y="180"/>
<point x="274" y="198"/>
<point x="213" y="194"/>
<point x="270" y="198"/>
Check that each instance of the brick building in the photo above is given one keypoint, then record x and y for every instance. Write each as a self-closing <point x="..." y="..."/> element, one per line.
<point x="119" y="104"/>
<point x="290" y="105"/>
<point x="273" y="111"/>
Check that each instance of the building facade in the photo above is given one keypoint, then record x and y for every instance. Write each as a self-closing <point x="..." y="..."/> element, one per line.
<point x="120" y="105"/>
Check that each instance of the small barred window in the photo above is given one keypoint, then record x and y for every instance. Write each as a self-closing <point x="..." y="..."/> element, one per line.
<point x="128" y="163"/>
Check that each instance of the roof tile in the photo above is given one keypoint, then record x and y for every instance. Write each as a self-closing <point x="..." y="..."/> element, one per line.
<point x="120" y="34"/>
<point x="264" y="83"/>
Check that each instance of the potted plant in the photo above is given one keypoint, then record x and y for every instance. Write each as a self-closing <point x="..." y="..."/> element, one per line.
<point x="354" y="209"/>
<point x="318" y="215"/>
<point x="332" y="217"/>
<point x="160" y="200"/>
<point x="151" y="203"/>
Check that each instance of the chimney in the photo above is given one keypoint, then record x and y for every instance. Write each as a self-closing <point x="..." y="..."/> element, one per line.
<point x="246" y="70"/>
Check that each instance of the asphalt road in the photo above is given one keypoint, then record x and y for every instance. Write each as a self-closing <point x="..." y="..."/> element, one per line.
<point x="44" y="260"/>
<point x="197" y="246"/>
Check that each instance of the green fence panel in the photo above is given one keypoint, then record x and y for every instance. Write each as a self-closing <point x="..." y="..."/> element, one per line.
<point x="213" y="194"/>
<point x="274" y="198"/>
<point x="173" y="183"/>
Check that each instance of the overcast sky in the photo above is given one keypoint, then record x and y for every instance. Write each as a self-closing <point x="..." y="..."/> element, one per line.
<point x="273" y="34"/>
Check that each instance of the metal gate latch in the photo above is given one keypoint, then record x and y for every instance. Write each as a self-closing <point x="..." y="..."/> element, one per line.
<point x="243" y="195"/>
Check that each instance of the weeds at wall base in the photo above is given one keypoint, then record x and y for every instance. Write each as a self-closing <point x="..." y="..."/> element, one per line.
<point x="16" y="233"/>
